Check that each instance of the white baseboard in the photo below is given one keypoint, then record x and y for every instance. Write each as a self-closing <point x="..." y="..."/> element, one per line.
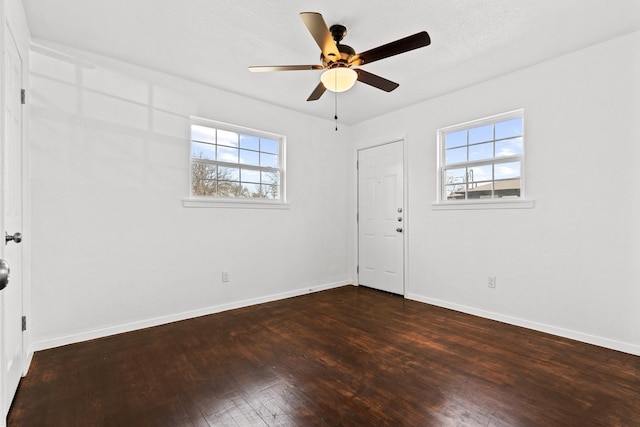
<point x="133" y="326"/>
<point x="541" y="327"/>
<point x="113" y="330"/>
<point x="28" y="357"/>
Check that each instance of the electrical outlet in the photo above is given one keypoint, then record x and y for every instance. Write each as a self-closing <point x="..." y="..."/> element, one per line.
<point x="492" y="282"/>
<point x="225" y="276"/>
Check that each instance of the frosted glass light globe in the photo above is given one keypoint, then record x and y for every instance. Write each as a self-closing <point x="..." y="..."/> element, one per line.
<point x="339" y="79"/>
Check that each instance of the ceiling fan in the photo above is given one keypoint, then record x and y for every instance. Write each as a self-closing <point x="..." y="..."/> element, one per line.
<point x="338" y="59"/>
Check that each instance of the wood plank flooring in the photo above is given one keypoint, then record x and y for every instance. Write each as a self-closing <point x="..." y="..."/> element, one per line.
<point x="350" y="356"/>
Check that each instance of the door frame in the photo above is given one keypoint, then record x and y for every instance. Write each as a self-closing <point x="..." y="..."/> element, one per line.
<point x="405" y="202"/>
<point x="10" y="18"/>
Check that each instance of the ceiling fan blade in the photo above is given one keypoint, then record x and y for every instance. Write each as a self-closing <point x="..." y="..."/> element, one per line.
<point x="317" y="92"/>
<point x="321" y="34"/>
<point x="406" y="44"/>
<point x="265" y="68"/>
<point x="376" y="81"/>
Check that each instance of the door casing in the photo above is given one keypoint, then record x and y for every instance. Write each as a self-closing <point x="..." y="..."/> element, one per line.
<point x="405" y="213"/>
<point x="16" y="220"/>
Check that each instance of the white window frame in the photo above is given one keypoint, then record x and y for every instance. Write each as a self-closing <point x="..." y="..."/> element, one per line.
<point x="227" y="202"/>
<point x="443" y="203"/>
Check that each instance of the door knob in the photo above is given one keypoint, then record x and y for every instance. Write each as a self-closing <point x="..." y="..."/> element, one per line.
<point x="17" y="237"/>
<point x="4" y="274"/>
<point x="399" y="229"/>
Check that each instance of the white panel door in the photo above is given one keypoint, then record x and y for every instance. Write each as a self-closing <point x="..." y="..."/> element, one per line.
<point x="381" y="217"/>
<point x="11" y="296"/>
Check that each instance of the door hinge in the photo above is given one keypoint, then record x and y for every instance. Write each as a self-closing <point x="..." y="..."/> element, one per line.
<point x="357" y="269"/>
<point x="358" y="164"/>
<point x="24" y="323"/>
<point x="23" y="96"/>
<point x="357" y="216"/>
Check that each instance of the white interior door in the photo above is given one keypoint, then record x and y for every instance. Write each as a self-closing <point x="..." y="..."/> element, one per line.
<point x="381" y="217"/>
<point x="11" y="297"/>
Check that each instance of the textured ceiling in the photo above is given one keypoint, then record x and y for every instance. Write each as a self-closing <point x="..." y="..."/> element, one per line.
<point x="214" y="41"/>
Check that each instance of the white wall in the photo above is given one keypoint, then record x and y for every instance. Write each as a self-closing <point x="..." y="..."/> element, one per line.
<point x="571" y="265"/>
<point x="113" y="247"/>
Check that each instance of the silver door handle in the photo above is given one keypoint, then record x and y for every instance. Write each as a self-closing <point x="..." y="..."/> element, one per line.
<point x="399" y="230"/>
<point x="4" y="274"/>
<point x="17" y="237"/>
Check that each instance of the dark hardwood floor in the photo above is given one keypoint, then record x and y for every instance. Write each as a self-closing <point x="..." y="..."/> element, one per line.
<point x="344" y="357"/>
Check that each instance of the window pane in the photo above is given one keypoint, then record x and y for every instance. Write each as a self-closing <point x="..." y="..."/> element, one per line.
<point x="227" y="188"/>
<point x="216" y="159"/>
<point x="509" y="128"/>
<point x="271" y="178"/>
<point x="508" y="181"/>
<point x="252" y="190"/>
<point x="228" y="174"/>
<point x="203" y="179"/>
<point x="200" y="150"/>
<point x="248" y="175"/>
<point x="480" y="190"/>
<point x="487" y="169"/>
<point x="227" y="154"/>
<point x="227" y="138"/>
<point x="249" y="142"/>
<point x="268" y="146"/>
<point x="249" y="157"/>
<point x="271" y="191"/>
<point x="509" y="147"/>
<point x="454" y="192"/>
<point x="456" y="176"/>
<point x="481" y="151"/>
<point x="480" y="173"/>
<point x="507" y="170"/>
<point x="455" y="139"/>
<point x="455" y="155"/>
<point x="203" y="134"/>
<point x="481" y="134"/>
<point x="269" y="160"/>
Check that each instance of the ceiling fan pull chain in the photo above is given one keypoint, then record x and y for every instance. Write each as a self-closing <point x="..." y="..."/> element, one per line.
<point x="336" y="102"/>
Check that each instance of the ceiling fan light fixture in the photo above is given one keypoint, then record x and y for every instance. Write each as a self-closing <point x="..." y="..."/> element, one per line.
<point x="339" y="79"/>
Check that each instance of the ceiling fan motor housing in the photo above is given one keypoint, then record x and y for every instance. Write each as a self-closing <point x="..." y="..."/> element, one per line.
<point x="338" y="32"/>
<point x="346" y="52"/>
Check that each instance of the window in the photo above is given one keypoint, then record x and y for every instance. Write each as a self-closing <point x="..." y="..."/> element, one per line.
<point x="233" y="163"/>
<point x="482" y="160"/>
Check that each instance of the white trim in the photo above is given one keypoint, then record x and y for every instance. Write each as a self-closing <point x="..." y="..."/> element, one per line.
<point x="14" y="26"/>
<point x="231" y="127"/>
<point x="519" y="112"/>
<point x="219" y="202"/>
<point x="541" y="327"/>
<point x="210" y="202"/>
<point x="142" y="324"/>
<point x="486" y="204"/>
<point x="405" y="213"/>
<point x="405" y="203"/>
<point x="441" y="167"/>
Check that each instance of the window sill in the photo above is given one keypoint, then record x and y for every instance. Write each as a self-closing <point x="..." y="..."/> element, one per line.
<point x="485" y="204"/>
<point x="197" y="202"/>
